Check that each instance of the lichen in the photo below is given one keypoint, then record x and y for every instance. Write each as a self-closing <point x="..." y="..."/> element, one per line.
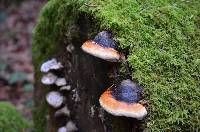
<point x="162" y="39"/>
<point x="11" y="120"/>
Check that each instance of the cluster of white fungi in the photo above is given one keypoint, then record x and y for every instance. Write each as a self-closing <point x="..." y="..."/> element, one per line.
<point x="54" y="98"/>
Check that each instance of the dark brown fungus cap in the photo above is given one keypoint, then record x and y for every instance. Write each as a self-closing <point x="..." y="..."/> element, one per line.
<point x="122" y="100"/>
<point x="103" y="46"/>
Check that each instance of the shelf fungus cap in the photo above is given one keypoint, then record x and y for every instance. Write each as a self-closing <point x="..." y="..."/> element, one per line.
<point x="68" y="88"/>
<point x="55" y="99"/>
<point x="50" y="65"/>
<point x="63" y="111"/>
<point x="49" y="79"/>
<point x="122" y="100"/>
<point x="71" y="126"/>
<point x="62" y="129"/>
<point x="61" y="82"/>
<point x="103" y="46"/>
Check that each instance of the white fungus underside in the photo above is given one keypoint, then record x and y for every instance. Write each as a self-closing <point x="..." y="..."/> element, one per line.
<point x="62" y="129"/>
<point x="61" y="82"/>
<point x="71" y="127"/>
<point x="68" y="87"/>
<point x="50" y="64"/>
<point x="54" y="99"/>
<point x="49" y="79"/>
<point x="63" y="110"/>
<point x="101" y="53"/>
<point x="120" y="112"/>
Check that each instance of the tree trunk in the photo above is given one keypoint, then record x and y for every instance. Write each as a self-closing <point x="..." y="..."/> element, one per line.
<point x="162" y="43"/>
<point x="89" y="78"/>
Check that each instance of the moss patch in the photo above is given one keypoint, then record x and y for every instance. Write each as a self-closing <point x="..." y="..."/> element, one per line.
<point x="10" y="119"/>
<point x="162" y="37"/>
<point x="39" y="115"/>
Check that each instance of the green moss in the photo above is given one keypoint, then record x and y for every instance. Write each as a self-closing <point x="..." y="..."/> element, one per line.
<point x="162" y="37"/>
<point x="10" y="119"/>
<point x="39" y="115"/>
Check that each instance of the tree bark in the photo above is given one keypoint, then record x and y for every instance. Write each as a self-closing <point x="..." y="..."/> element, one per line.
<point x="89" y="78"/>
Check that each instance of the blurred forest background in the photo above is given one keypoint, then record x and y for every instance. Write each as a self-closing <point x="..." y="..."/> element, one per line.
<point x="17" y="21"/>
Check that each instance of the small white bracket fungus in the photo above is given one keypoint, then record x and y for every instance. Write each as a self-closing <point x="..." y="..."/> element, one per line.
<point x="70" y="48"/>
<point x="55" y="99"/>
<point x="50" y="64"/>
<point x="63" y="110"/>
<point x="68" y="87"/>
<point x="49" y="79"/>
<point x="62" y="129"/>
<point x="71" y="127"/>
<point x="61" y="82"/>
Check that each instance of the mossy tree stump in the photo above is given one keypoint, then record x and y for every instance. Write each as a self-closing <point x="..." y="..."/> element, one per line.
<point x="161" y="40"/>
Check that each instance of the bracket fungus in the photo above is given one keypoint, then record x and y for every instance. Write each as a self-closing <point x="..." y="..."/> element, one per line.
<point x="52" y="64"/>
<point x="62" y="129"/>
<point x="60" y="82"/>
<point x="122" y="100"/>
<point x="55" y="99"/>
<point x="68" y="88"/>
<point x="63" y="111"/>
<point x="103" y="46"/>
<point x="49" y="79"/>
<point x="71" y="126"/>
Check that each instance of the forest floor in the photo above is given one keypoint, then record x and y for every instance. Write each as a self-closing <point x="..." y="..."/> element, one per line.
<point x="17" y="23"/>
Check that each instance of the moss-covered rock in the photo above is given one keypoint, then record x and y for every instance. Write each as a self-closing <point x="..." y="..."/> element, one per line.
<point x="10" y="119"/>
<point x="162" y="39"/>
